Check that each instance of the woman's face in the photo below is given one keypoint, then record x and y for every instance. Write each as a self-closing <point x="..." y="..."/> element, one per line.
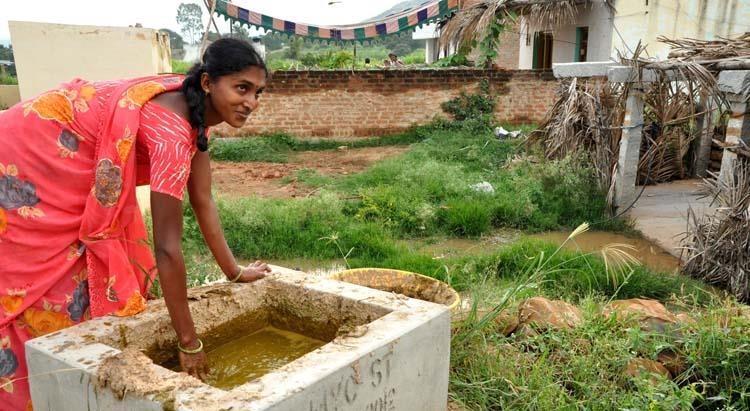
<point x="231" y="98"/>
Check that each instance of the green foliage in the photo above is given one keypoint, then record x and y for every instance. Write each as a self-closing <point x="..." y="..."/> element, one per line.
<point x="467" y="106"/>
<point x="455" y="60"/>
<point x="190" y="19"/>
<point x="6" y="53"/>
<point x="180" y="67"/>
<point x="490" y="43"/>
<point x="329" y="59"/>
<point x="466" y="218"/>
<point x="277" y="147"/>
<point x="273" y="41"/>
<point x="293" y="51"/>
<point x="8" y="80"/>
<point x="574" y="276"/>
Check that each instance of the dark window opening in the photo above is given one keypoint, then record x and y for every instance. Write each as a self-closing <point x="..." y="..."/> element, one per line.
<point x="582" y="44"/>
<point x="542" y="58"/>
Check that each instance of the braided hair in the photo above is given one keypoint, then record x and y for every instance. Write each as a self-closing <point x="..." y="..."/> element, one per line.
<point x="222" y="57"/>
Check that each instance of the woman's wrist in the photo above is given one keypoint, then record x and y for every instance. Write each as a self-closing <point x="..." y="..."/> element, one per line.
<point x="232" y="270"/>
<point x="189" y="341"/>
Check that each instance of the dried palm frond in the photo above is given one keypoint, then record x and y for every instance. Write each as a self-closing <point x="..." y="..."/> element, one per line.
<point x="579" y="122"/>
<point x="717" y="246"/>
<point x="708" y="50"/>
<point x="473" y="22"/>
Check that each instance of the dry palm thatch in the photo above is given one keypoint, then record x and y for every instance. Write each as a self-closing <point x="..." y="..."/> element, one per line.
<point x="666" y="150"/>
<point x="717" y="246"/>
<point x="579" y="122"/>
<point x="473" y="22"/>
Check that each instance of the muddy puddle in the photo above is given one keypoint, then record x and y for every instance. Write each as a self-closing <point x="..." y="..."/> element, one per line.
<point x="249" y="357"/>
<point x="648" y="253"/>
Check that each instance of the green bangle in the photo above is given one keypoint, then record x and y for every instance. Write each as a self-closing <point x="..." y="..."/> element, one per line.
<point x="193" y="351"/>
<point x="239" y="275"/>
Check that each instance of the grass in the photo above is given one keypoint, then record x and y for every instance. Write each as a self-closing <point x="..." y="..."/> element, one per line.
<point x="369" y="218"/>
<point x="277" y="147"/>
<point x="8" y="80"/>
<point x="583" y="368"/>
<point x="181" y="67"/>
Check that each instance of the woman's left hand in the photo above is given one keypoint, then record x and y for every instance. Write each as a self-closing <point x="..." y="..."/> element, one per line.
<point x="253" y="272"/>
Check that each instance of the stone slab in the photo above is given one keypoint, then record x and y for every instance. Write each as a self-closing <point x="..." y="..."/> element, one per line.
<point x="626" y="74"/>
<point x="661" y="212"/>
<point x="588" y="69"/>
<point x="398" y="358"/>
<point x="734" y="81"/>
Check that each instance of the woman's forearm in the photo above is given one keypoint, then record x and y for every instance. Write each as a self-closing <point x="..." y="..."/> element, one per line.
<point x="173" y="280"/>
<point x="209" y="222"/>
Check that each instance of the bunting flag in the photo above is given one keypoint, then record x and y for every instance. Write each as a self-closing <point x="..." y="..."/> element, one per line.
<point x="397" y="23"/>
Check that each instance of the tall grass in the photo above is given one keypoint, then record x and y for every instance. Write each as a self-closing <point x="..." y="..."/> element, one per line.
<point x="278" y="146"/>
<point x="583" y="367"/>
<point x="8" y="80"/>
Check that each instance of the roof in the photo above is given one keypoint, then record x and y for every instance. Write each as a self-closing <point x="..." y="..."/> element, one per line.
<point x="404" y="17"/>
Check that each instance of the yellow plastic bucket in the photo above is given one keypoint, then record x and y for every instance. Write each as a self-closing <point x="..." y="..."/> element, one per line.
<point x="402" y="282"/>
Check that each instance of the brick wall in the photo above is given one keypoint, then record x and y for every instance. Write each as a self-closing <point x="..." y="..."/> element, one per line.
<point x="508" y="52"/>
<point x="380" y="102"/>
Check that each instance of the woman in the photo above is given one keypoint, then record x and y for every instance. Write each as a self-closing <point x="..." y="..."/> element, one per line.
<point x="73" y="244"/>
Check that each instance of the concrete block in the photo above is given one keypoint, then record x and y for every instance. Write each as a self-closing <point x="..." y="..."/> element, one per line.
<point x="386" y="352"/>
<point x="589" y="69"/>
<point x="734" y="81"/>
<point x="626" y="74"/>
<point x="630" y="150"/>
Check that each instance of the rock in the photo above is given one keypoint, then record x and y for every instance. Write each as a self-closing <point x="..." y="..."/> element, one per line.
<point x="502" y="134"/>
<point x="685" y="319"/>
<point x="483" y="187"/>
<point x="637" y="366"/>
<point x="546" y="314"/>
<point x="672" y="361"/>
<point x="650" y="315"/>
<point x="342" y="148"/>
<point x="505" y="322"/>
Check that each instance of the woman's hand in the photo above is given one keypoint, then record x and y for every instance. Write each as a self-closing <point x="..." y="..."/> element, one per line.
<point x="195" y="365"/>
<point x="253" y="272"/>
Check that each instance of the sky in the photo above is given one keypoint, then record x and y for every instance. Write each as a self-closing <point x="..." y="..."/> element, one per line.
<point x="161" y="13"/>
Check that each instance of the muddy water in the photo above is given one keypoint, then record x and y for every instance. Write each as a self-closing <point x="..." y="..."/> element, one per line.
<point x="247" y="358"/>
<point x="649" y="254"/>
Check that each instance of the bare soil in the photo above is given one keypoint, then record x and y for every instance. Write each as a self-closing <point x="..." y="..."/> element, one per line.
<point x="268" y="179"/>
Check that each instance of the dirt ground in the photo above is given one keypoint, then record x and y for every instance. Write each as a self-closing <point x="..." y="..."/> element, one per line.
<point x="267" y="179"/>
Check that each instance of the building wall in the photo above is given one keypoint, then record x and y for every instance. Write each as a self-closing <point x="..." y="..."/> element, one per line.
<point x="49" y="54"/>
<point x="597" y="18"/>
<point x="508" y="52"/>
<point x="701" y="19"/>
<point x="379" y="102"/>
<point x="9" y="96"/>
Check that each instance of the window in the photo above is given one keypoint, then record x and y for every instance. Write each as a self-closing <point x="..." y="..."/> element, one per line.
<point x="542" y="57"/>
<point x="582" y="44"/>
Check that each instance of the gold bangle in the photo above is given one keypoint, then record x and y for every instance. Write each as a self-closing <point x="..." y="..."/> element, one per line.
<point x="193" y="351"/>
<point x="239" y="275"/>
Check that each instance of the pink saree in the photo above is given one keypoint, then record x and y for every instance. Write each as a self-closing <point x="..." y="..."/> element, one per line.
<point x="73" y="244"/>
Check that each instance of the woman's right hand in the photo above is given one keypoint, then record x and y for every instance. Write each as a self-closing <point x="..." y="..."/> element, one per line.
<point x="195" y="365"/>
<point x="253" y="272"/>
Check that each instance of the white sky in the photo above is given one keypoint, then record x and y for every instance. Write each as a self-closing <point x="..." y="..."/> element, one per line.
<point x="161" y="13"/>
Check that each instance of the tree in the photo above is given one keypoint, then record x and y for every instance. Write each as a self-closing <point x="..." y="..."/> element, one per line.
<point x="6" y="53"/>
<point x="190" y="19"/>
<point x="176" y="44"/>
<point x="273" y="41"/>
<point x="240" y="32"/>
<point x="295" y="46"/>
